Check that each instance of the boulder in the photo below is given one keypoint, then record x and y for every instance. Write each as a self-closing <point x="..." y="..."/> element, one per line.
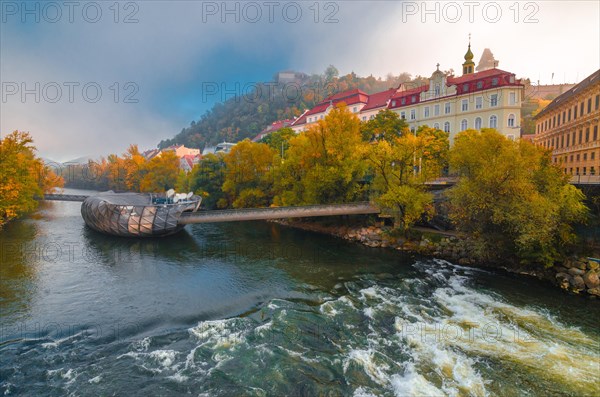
<point x="577" y="283"/>
<point x="576" y="272"/>
<point x="594" y="291"/>
<point x="562" y="276"/>
<point x="593" y="265"/>
<point x="581" y="265"/>
<point x="591" y="279"/>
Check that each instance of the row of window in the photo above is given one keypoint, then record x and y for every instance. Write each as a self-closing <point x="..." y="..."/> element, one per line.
<point x="570" y="139"/>
<point x="561" y="118"/>
<point x="584" y="169"/>
<point x="576" y="158"/>
<point x="493" y="102"/>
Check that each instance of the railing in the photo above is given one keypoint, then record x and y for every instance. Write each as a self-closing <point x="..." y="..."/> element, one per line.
<point x="65" y="197"/>
<point x="585" y="180"/>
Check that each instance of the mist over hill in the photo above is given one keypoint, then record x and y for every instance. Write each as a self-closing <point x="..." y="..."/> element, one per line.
<point x="290" y="93"/>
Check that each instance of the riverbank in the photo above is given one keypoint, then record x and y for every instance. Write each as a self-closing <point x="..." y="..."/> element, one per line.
<point x="580" y="276"/>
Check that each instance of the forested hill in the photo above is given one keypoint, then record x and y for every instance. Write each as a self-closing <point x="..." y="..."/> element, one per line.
<point x="250" y="112"/>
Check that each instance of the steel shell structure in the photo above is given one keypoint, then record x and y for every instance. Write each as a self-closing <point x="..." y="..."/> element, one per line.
<point x="135" y="214"/>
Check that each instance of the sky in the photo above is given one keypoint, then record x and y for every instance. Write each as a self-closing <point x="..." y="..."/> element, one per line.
<point x="90" y="78"/>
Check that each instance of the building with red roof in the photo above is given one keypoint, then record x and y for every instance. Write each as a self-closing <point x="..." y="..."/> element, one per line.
<point x="490" y="98"/>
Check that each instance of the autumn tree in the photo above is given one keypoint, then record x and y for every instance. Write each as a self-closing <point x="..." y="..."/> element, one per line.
<point x="401" y="164"/>
<point x="23" y="176"/>
<point x="279" y="140"/>
<point x="134" y="164"/>
<point x="511" y="198"/>
<point x="206" y="179"/>
<point x="160" y="173"/>
<point x="323" y="164"/>
<point x="249" y="174"/>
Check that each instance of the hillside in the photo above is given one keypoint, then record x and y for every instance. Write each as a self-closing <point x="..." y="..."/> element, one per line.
<point x="240" y="118"/>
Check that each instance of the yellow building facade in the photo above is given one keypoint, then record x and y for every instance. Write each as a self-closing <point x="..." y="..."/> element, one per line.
<point x="569" y="127"/>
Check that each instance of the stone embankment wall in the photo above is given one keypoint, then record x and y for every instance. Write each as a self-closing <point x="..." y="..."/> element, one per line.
<point x="575" y="275"/>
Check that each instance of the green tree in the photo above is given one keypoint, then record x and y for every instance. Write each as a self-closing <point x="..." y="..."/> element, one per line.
<point x="279" y="140"/>
<point x="206" y="179"/>
<point x="401" y="165"/>
<point x="511" y="199"/>
<point x="23" y="176"/>
<point x="385" y="125"/>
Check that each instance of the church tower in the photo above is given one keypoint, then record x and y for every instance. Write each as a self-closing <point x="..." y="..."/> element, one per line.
<point x="469" y="65"/>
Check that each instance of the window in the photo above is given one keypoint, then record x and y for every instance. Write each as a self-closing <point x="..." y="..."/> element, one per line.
<point x="589" y="105"/>
<point x="595" y="133"/>
<point x="403" y="101"/>
<point x="426" y="111"/>
<point x="465" y="87"/>
<point x="447" y="108"/>
<point x="587" y="134"/>
<point x="592" y="155"/>
<point x="371" y="117"/>
<point x="564" y="118"/>
<point x="355" y="109"/>
<point x="479" y="85"/>
<point x="413" y="99"/>
<point x="569" y="115"/>
<point x="511" y="120"/>
<point x="585" y="157"/>
<point x="436" y="110"/>
<point x="394" y="103"/>
<point x="580" y="136"/>
<point x="597" y="102"/>
<point x="478" y="102"/>
<point x="436" y="126"/>
<point x="464" y="105"/>
<point x="493" y="121"/>
<point x="512" y="98"/>
<point x="364" y="118"/>
<point x="446" y="127"/>
<point x="403" y="115"/>
<point x="575" y="112"/>
<point x="584" y="170"/>
<point x="494" y="100"/>
<point x="581" y="109"/>
<point x="321" y="117"/>
<point x="413" y="114"/>
<point x="437" y="90"/>
<point x="463" y="124"/>
<point x="478" y="123"/>
<point x="568" y="136"/>
<point x="592" y="171"/>
<point x="495" y="81"/>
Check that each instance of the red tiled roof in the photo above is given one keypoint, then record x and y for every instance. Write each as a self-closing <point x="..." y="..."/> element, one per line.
<point x="476" y="76"/>
<point x="379" y="99"/>
<point x="300" y="119"/>
<point x="350" y="97"/>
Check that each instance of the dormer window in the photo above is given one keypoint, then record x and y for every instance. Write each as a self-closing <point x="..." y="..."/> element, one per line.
<point x="465" y="87"/>
<point x="414" y="99"/>
<point x="403" y="101"/>
<point x="437" y="90"/>
<point x="479" y="85"/>
<point x="495" y="81"/>
<point x="393" y="103"/>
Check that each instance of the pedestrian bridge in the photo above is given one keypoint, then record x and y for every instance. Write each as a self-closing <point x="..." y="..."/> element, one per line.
<point x="251" y="214"/>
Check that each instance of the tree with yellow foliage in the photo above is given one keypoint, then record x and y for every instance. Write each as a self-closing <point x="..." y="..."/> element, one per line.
<point x="511" y="199"/>
<point x="23" y="176"/>
<point x="323" y="164"/>
<point x="249" y="174"/>
<point x="160" y="173"/>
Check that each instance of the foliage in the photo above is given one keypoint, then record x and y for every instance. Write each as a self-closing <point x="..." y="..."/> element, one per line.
<point x="249" y="174"/>
<point x="23" y="176"/>
<point x="401" y="165"/>
<point x="160" y="173"/>
<point x="323" y="164"/>
<point x="386" y="125"/>
<point x="279" y="140"/>
<point x="206" y="179"/>
<point x="511" y="199"/>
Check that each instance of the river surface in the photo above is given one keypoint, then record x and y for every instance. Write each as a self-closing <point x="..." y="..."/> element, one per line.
<point x="257" y="309"/>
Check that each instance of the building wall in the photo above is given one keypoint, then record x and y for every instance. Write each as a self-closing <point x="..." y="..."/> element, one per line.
<point x="571" y="131"/>
<point x="504" y="108"/>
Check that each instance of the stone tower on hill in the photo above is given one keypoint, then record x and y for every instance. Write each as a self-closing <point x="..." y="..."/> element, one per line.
<point x="487" y="61"/>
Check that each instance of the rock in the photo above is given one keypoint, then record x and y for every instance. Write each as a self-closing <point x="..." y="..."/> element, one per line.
<point x="568" y="263"/>
<point x="593" y="265"/>
<point x="591" y="279"/>
<point x="560" y="269"/>
<point x="594" y="291"/>
<point x="578" y="283"/>
<point x="464" y="261"/>
<point x="562" y="276"/>
<point x="576" y="272"/>
<point x="581" y="265"/>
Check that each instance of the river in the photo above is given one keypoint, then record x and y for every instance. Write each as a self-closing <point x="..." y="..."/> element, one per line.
<point x="258" y="309"/>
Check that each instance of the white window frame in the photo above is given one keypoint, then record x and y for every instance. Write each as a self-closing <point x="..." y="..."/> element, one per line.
<point x="479" y="102"/>
<point x="464" y="105"/>
<point x="447" y="108"/>
<point x="464" y="124"/>
<point x="511" y="120"/>
<point x="495" y="118"/>
<point x="480" y="123"/>
<point x="493" y="100"/>
<point x="436" y="110"/>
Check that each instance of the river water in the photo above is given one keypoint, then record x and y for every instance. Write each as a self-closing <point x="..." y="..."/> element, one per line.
<point x="257" y="309"/>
